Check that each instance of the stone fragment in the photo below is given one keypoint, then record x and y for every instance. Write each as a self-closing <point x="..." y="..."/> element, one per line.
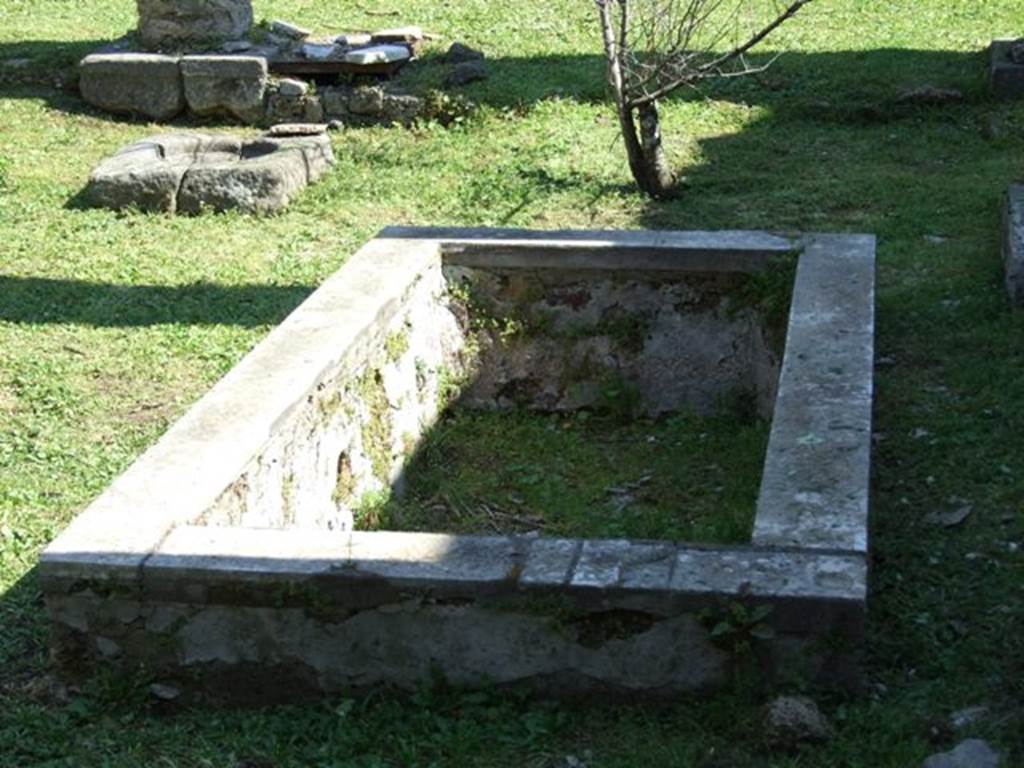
<point x="143" y="84"/>
<point x="177" y="23"/>
<point x="335" y="125"/>
<point x="950" y="518"/>
<point x="409" y="34"/>
<point x="225" y="85"/>
<point x="378" y="54"/>
<point x="288" y="109"/>
<point x="973" y="753"/>
<point x="929" y="95"/>
<point x="292" y="89"/>
<point x="289" y="31"/>
<point x="459" y="53"/>
<point x="313" y="110"/>
<point x="164" y="692"/>
<point x="353" y="39"/>
<point x="792" y="720"/>
<point x="297" y="129"/>
<point x="467" y="72"/>
<point x="319" y="51"/>
<point x="968" y="716"/>
<point x="1013" y="243"/>
<point x="367" y="100"/>
<point x="335" y="101"/>
<point x="236" y="46"/>
<point x="401" y="108"/>
<point x="108" y="647"/>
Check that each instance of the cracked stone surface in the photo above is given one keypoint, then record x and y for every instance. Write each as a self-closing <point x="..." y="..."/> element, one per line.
<point x="192" y="173"/>
<point x="225" y="85"/>
<point x="170" y="23"/>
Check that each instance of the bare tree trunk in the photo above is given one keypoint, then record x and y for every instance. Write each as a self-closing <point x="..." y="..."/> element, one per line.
<point x="660" y="181"/>
<point x="647" y="162"/>
<point x="644" y="150"/>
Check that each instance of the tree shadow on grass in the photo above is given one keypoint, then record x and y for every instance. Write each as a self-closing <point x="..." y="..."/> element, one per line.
<point x="36" y="300"/>
<point x="834" y="147"/>
<point x="520" y="82"/>
<point x="23" y="640"/>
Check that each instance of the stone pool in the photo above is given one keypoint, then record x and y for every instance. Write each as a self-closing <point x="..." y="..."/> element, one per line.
<point x="223" y="562"/>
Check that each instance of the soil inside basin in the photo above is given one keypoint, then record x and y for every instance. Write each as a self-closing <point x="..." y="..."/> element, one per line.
<point x="581" y="475"/>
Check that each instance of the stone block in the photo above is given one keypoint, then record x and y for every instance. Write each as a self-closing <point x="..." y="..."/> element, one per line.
<point x="178" y="23"/>
<point x="265" y="179"/>
<point x="148" y="85"/>
<point x="190" y="173"/>
<point x="225" y="85"/>
<point x="401" y="108"/>
<point x="549" y="562"/>
<point x="292" y="109"/>
<point x="335" y="101"/>
<point x="1006" y="75"/>
<point x="147" y="174"/>
<point x="292" y="89"/>
<point x="289" y="31"/>
<point x="1013" y="243"/>
<point x="368" y="100"/>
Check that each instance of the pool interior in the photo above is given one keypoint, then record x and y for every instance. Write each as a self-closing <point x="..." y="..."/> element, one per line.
<point x="600" y="405"/>
<point x="557" y="402"/>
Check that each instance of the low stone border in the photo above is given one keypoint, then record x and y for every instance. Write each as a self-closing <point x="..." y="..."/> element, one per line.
<point x="1013" y="243"/>
<point x="254" y="614"/>
<point x="192" y="173"/>
<point x="239" y="88"/>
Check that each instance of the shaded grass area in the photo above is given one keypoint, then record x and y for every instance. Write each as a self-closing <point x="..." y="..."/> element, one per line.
<point x="682" y="478"/>
<point x="817" y="143"/>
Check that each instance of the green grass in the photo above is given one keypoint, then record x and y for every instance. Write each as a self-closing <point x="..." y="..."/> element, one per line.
<point x="682" y="478"/>
<point x="110" y="326"/>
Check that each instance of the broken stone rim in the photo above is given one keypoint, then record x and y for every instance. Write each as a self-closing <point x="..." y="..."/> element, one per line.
<point x="808" y="554"/>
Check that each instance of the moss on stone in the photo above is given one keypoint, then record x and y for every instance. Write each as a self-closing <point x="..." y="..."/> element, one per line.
<point x="288" y="499"/>
<point x="396" y="345"/>
<point x="345" y="484"/>
<point x="769" y="293"/>
<point x="377" y="428"/>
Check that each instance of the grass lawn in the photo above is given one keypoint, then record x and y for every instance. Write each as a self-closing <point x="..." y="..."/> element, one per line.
<point x="110" y="326"/>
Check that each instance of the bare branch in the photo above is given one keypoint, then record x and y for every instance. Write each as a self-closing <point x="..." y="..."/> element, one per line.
<point x="669" y="63"/>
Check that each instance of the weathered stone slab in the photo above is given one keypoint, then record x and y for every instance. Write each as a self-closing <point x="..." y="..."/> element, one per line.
<point x="580" y="249"/>
<point x="147" y="174"/>
<point x="1006" y="74"/>
<point x="378" y="54"/>
<point x="190" y="173"/>
<point x="264" y="179"/>
<point x="148" y="85"/>
<point x="1013" y="243"/>
<point x="226" y="85"/>
<point x="814" y="492"/>
<point x="178" y="23"/>
<point x="288" y="30"/>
